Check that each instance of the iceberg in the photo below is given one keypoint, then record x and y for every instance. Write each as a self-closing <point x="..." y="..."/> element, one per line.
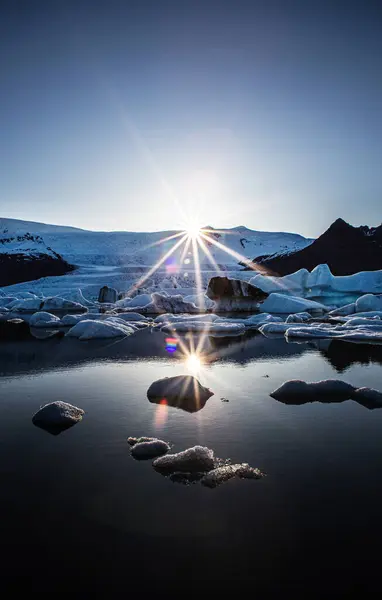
<point x="88" y="330"/>
<point x="368" y="302"/>
<point x="283" y="303"/>
<point x="44" y="319"/>
<point x="57" y="303"/>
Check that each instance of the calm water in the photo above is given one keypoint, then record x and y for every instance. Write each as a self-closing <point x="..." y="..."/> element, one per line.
<point x="79" y="513"/>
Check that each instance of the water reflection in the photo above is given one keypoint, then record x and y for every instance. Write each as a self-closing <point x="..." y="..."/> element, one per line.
<point x="196" y="353"/>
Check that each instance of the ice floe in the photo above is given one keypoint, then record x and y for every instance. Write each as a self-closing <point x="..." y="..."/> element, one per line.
<point x="44" y="319"/>
<point x="89" y="329"/>
<point x="285" y="304"/>
<point x="57" y="303"/>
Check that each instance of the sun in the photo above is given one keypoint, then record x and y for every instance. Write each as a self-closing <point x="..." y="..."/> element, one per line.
<point x="193" y="231"/>
<point x="193" y="363"/>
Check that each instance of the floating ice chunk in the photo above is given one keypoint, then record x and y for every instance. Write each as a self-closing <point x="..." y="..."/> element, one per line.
<point x="282" y="303"/>
<point x="132" y="316"/>
<point x="44" y="319"/>
<point x="170" y="318"/>
<point x="200" y="300"/>
<point x="193" y="460"/>
<point x="178" y="391"/>
<point x="225" y="472"/>
<point x="253" y="322"/>
<point x="353" y="321"/>
<point x="29" y="305"/>
<point x="87" y="330"/>
<point x="70" y="320"/>
<point x="149" y="449"/>
<point x="348" y="309"/>
<point x="204" y="326"/>
<point x="298" y="318"/>
<point x="7" y="300"/>
<point x="57" y="416"/>
<point x="368" y="302"/>
<point x="57" y="303"/>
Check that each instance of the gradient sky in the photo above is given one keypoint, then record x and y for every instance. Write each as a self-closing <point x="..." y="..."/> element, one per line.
<point x="258" y="113"/>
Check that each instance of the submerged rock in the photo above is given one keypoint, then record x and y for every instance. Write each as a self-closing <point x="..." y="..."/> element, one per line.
<point x="57" y="416"/>
<point x="225" y="472"/>
<point x="149" y="448"/>
<point x="197" y="459"/>
<point x="182" y="391"/>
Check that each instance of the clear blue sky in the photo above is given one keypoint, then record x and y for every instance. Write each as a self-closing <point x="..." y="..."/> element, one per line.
<point x="261" y="113"/>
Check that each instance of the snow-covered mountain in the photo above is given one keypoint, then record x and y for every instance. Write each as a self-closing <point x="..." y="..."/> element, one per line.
<point x="81" y="247"/>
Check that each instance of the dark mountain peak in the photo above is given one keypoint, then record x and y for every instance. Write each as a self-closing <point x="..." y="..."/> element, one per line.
<point x="340" y="225"/>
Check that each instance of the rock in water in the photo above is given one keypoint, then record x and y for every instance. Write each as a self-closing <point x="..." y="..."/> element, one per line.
<point x="193" y="460"/>
<point x="225" y="472"/>
<point x="330" y="390"/>
<point x="14" y="329"/>
<point x="57" y="416"/>
<point x="234" y="294"/>
<point x="150" y="448"/>
<point x="182" y="391"/>
<point x="107" y="294"/>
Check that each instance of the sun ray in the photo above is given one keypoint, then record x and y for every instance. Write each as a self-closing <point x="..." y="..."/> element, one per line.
<point x="198" y="275"/>
<point x="207" y="252"/>
<point x="248" y="262"/>
<point x="161" y="241"/>
<point x="157" y="265"/>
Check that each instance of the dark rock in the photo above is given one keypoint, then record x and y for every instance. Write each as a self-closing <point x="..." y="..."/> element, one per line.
<point x="344" y="248"/>
<point x="14" y="329"/>
<point x="223" y="287"/>
<point x="108" y="295"/>
<point x="183" y="391"/>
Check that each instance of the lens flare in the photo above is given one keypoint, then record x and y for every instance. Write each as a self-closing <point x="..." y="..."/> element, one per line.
<point x="193" y="363"/>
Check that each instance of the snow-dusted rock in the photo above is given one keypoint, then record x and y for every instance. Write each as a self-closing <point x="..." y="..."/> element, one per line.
<point x="177" y="389"/>
<point x="88" y="329"/>
<point x="58" y="413"/>
<point x="44" y="319"/>
<point x="368" y="302"/>
<point x="281" y="303"/>
<point x="57" y="303"/>
<point x="108" y="295"/>
<point x="28" y="305"/>
<point x="224" y="473"/>
<point x="193" y="460"/>
<point x="149" y="449"/>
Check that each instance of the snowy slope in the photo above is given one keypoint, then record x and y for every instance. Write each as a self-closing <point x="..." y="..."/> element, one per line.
<point x="82" y="247"/>
<point x="25" y="244"/>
